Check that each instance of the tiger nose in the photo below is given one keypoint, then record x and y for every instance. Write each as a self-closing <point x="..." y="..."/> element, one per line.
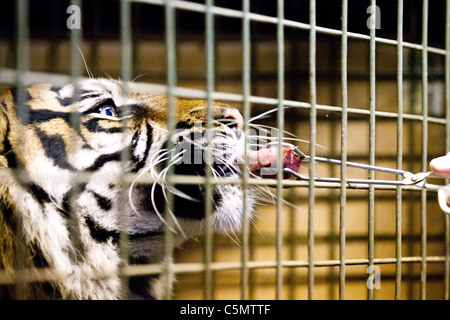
<point x="236" y="121"/>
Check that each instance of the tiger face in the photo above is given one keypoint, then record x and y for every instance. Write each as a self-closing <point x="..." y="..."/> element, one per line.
<point x="69" y="218"/>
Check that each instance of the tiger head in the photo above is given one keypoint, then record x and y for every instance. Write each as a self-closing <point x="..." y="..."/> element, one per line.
<point x="66" y="158"/>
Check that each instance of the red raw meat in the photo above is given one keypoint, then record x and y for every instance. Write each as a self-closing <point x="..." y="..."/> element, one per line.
<point x="267" y="159"/>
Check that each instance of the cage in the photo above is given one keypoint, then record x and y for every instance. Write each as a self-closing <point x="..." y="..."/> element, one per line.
<point x="363" y="81"/>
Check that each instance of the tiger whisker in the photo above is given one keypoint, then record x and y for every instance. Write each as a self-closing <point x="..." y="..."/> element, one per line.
<point x="144" y="171"/>
<point x="158" y="182"/>
<point x="161" y="182"/>
<point x="276" y="139"/>
<point x="267" y="128"/>
<point x="139" y="76"/>
<point x="235" y="240"/>
<point x="174" y="190"/>
<point x="90" y="74"/>
<point x="262" y="115"/>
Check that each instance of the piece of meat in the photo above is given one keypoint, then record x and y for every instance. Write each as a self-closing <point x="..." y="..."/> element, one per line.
<point x="263" y="162"/>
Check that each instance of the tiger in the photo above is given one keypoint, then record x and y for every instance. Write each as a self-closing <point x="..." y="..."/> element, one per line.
<point x="53" y="220"/>
<point x="51" y="134"/>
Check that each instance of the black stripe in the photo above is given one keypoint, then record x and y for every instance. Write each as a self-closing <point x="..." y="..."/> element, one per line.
<point x="29" y="115"/>
<point x="38" y="193"/>
<point x="66" y="208"/>
<point x="135" y="139"/>
<point x="103" y="202"/>
<point x="140" y="164"/>
<point x="85" y="93"/>
<point x="100" y="161"/>
<point x="89" y="94"/>
<point x="44" y="115"/>
<point x="184" y="208"/>
<point x="99" y="233"/>
<point x="102" y="235"/>
<point x="139" y="236"/>
<point x="23" y="93"/>
<point x="139" y="285"/>
<point x="72" y="193"/>
<point x="79" y="96"/>
<point x="8" y="152"/>
<point x="93" y="126"/>
<point x="38" y="256"/>
<point x="139" y="288"/>
<point x="184" y="125"/>
<point x="65" y="102"/>
<point x="55" y="149"/>
<point x="55" y="89"/>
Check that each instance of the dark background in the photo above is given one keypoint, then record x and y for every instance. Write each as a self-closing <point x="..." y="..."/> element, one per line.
<point x="101" y="18"/>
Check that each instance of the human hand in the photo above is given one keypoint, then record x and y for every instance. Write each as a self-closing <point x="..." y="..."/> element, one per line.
<point x="441" y="167"/>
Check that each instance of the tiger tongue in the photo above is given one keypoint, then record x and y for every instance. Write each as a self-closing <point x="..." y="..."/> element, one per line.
<point x="263" y="162"/>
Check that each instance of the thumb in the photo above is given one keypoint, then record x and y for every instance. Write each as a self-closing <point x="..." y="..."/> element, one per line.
<point x="441" y="166"/>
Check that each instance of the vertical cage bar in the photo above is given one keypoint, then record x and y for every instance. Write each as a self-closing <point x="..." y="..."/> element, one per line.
<point x="423" y="241"/>
<point x="447" y="145"/>
<point x="75" y="51"/>
<point x="246" y="87"/>
<point x="96" y="37"/>
<point x="169" y="241"/>
<point x="22" y="65"/>
<point x="410" y="157"/>
<point x="76" y="48"/>
<point x="312" y="149"/>
<point x="398" y="229"/>
<point x="343" y="195"/>
<point x="210" y="78"/>
<point x="280" y="126"/>
<point x="372" y="84"/>
<point x="126" y="75"/>
<point x="23" y="40"/>
<point x="126" y="44"/>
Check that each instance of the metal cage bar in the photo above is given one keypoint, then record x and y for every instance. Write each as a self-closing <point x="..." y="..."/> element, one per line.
<point x="22" y="65"/>
<point x="372" y="108"/>
<point x="312" y="140"/>
<point x="171" y="56"/>
<point x="344" y="132"/>
<point x="280" y="127"/>
<point x="210" y="83"/>
<point x="126" y="65"/>
<point x="398" y="229"/>
<point x="447" y="144"/>
<point x="246" y="90"/>
<point x="43" y="274"/>
<point x="76" y="37"/>
<point x="423" y="266"/>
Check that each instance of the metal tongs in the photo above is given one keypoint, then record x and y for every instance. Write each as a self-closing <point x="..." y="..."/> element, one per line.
<point x="409" y="178"/>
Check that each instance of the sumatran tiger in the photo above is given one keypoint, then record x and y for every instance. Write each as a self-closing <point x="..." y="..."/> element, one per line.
<point x="57" y="223"/>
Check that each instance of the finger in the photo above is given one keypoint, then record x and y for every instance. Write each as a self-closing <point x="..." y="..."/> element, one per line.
<point x="441" y="166"/>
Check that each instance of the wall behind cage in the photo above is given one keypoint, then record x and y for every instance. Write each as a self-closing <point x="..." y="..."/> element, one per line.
<point x="102" y="52"/>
